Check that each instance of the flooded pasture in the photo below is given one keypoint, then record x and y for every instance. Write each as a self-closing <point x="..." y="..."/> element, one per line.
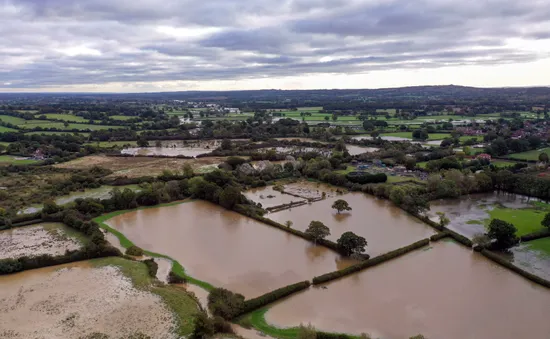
<point x="173" y="148"/>
<point x="76" y="300"/>
<point x="467" y="213"/>
<point x="444" y="291"/>
<point x="269" y="197"/>
<point x="532" y="256"/>
<point x="225" y="248"/>
<point x="384" y="226"/>
<point x="102" y="192"/>
<point x="45" y="238"/>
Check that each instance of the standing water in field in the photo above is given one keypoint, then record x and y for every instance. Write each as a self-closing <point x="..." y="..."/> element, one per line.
<point x="225" y="248"/>
<point x="445" y="291"/>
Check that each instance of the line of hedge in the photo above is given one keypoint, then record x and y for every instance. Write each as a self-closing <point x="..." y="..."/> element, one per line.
<point x="439" y="236"/>
<point x="503" y="262"/>
<point x="285" y="206"/>
<point x="535" y="235"/>
<point x="18" y="220"/>
<point x="268" y="298"/>
<point x="323" y="242"/>
<point x="121" y="155"/>
<point x="459" y="237"/>
<point x="369" y="263"/>
<point x="14" y="265"/>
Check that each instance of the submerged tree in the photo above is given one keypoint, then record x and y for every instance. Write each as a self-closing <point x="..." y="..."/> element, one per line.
<point x="341" y="205"/>
<point x="288" y="223"/>
<point x="350" y="243"/>
<point x="317" y="230"/>
<point x="503" y="232"/>
<point x="443" y="220"/>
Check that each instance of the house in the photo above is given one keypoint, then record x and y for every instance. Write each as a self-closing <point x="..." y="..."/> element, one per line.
<point x="484" y="156"/>
<point x="38" y="155"/>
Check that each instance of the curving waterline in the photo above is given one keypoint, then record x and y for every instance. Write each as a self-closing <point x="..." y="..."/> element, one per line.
<point x="257" y="318"/>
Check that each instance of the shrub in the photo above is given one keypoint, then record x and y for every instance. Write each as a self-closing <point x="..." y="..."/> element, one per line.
<point x="152" y="267"/>
<point x="174" y="278"/>
<point x="439" y="236"/>
<point x="224" y="303"/>
<point x="134" y="251"/>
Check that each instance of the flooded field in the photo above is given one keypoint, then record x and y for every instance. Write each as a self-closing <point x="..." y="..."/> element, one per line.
<point x="446" y="291"/>
<point x="383" y="137"/>
<point x="174" y="148"/>
<point x="384" y="226"/>
<point x="225" y="248"/>
<point x="78" y="299"/>
<point x="533" y="256"/>
<point x="268" y="197"/>
<point x="137" y="167"/>
<point x="467" y="214"/>
<point x="356" y="150"/>
<point x="44" y="238"/>
<point x="311" y="190"/>
<point x="102" y="192"/>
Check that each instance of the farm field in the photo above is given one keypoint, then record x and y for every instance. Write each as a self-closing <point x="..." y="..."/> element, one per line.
<point x="66" y="117"/>
<point x="123" y="117"/>
<point x="84" y="134"/>
<point x="60" y="125"/>
<point x="4" y="129"/>
<point x="529" y="155"/>
<point x="408" y="135"/>
<point x="12" y="120"/>
<point x="14" y="160"/>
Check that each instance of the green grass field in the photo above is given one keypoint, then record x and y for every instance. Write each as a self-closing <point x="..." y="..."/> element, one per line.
<point x="530" y="155"/>
<point x="9" y="159"/>
<point x="12" y="120"/>
<point x="60" y="125"/>
<point x="526" y="220"/>
<point x="422" y="164"/>
<point x="108" y="144"/>
<point x="432" y="136"/>
<point x="479" y="138"/>
<point x="84" y="134"/>
<point x="33" y="123"/>
<point x="541" y="245"/>
<point x="502" y="163"/>
<point x="66" y="117"/>
<point x="6" y="129"/>
<point x="124" y="117"/>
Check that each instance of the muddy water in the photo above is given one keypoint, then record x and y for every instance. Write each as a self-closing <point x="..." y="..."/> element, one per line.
<point x="384" y="226"/>
<point x="268" y="197"/>
<point x="356" y="150"/>
<point x="177" y="147"/>
<point x="225" y="248"/>
<point x="444" y="292"/>
<point x="468" y="212"/>
<point x="75" y="300"/>
<point x="531" y="258"/>
<point x="102" y="192"/>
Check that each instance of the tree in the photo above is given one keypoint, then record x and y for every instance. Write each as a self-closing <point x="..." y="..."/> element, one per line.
<point x="503" y="232"/>
<point x="410" y="163"/>
<point x="66" y="124"/>
<point x="142" y="142"/>
<point x="341" y="205"/>
<point x="420" y="134"/>
<point x="327" y="118"/>
<point x="289" y="223"/>
<point x="543" y="157"/>
<point x="368" y="126"/>
<point x="443" y="220"/>
<point x="307" y="332"/>
<point x="317" y="230"/>
<point x="224" y="303"/>
<point x="546" y="221"/>
<point x="351" y="243"/>
<point x="226" y="144"/>
<point x="230" y="196"/>
<point x="374" y="134"/>
<point x="203" y="327"/>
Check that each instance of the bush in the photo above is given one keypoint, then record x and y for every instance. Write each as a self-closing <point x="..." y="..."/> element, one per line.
<point x="536" y="235"/>
<point x="224" y="303"/>
<point x="174" y="278"/>
<point x="458" y="237"/>
<point x="268" y="298"/>
<point x="152" y="267"/>
<point x="134" y="251"/>
<point x="369" y="263"/>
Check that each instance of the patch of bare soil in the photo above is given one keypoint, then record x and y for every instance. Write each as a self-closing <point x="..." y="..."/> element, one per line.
<point x="135" y="167"/>
<point x="78" y="301"/>
<point x="35" y="240"/>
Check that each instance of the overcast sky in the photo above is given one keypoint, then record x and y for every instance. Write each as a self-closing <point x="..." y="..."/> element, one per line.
<point x="152" y="45"/>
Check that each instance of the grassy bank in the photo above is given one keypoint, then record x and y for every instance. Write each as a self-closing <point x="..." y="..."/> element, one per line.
<point x="526" y="220"/>
<point x="125" y="242"/>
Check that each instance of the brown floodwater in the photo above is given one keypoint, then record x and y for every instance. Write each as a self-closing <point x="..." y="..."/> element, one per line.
<point x="268" y="197"/>
<point x="446" y="292"/>
<point x="384" y="226"/>
<point x="468" y="212"/>
<point x="225" y="248"/>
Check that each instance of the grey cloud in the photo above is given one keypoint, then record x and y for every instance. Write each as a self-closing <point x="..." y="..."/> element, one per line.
<point x="47" y="42"/>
